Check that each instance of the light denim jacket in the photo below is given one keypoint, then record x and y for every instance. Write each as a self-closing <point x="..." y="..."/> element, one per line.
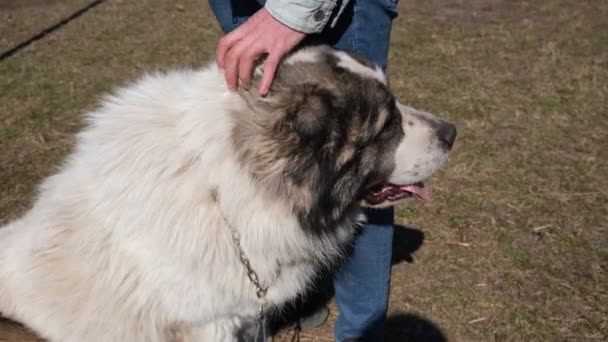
<point x="307" y="16"/>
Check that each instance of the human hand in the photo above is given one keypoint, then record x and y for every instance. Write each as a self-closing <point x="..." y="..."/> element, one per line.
<point x="261" y="34"/>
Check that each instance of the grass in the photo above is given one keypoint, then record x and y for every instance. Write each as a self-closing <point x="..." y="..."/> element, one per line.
<point x="515" y="241"/>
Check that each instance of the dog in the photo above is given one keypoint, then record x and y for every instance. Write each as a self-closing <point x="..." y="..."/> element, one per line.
<point x="186" y="208"/>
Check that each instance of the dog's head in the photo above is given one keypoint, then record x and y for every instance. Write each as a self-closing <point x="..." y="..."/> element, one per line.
<point x="331" y="136"/>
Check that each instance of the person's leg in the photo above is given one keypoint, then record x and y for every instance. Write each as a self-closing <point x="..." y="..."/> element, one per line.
<point x="230" y="14"/>
<point x="364" y="28"/>
<point x="362" y="285"/>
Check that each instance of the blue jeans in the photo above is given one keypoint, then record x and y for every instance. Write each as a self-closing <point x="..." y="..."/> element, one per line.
<point x="362" y="285"/>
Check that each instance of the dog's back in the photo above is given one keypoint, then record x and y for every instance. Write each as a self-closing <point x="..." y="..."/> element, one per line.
<point x="110" y="249"/>
<point x="61" y="271"/>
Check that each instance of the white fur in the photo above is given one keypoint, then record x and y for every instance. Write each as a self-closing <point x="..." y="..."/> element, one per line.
<point x="349" y="63"/>
<point x="305" y="55"/>
<point x="420" y="153"/>
<point x="126" y="243"/>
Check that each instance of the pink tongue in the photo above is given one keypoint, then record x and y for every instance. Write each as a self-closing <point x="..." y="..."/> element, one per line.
<point x="423" y="193"/>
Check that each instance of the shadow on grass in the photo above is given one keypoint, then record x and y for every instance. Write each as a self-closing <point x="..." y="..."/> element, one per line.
<point x="406" y="241"/>
<point x="410" y="327"/>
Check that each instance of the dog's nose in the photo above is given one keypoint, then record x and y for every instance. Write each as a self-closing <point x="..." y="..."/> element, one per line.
<point x="447" y="134"/>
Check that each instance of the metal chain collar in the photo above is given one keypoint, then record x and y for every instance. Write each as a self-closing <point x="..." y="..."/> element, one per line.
<point x="251" y="274"/>
<point x="253" y="277"/>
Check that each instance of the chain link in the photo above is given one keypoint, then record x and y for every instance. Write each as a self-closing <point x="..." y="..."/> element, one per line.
<point x="253" y="277"/>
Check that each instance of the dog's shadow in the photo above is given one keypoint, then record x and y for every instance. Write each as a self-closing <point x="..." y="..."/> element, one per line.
<point x="400" y="327"/>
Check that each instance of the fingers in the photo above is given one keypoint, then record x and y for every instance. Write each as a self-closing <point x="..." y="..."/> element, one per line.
<point x="239" y="62"/>
<point x="270" y="68"/>
<point x="224" y="45"/>
<point x="246" y="63"/>
<point x="228" y="41"/>
<point x="233" y="59"/>
<point x="238" y="51"/>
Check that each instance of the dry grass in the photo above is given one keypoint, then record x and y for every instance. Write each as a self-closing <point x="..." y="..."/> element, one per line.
<point x="515" y="242"/>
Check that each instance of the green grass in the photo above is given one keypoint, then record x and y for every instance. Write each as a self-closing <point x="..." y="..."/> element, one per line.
<point x="516" y="240"/>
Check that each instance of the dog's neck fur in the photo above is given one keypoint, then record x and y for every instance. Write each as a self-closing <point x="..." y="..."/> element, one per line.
<point x="257" y="206"/>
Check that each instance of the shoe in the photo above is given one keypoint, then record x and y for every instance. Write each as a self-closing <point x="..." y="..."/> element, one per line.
<point x="313" y="320"/>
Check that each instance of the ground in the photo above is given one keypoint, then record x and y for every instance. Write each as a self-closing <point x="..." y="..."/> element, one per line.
<point x="514" y="245"/>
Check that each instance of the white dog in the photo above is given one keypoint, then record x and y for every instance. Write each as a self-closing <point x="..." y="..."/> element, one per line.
<point x="179" y="188"/>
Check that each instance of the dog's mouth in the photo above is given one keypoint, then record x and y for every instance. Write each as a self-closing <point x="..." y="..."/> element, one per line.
<point x="389" y="192"/>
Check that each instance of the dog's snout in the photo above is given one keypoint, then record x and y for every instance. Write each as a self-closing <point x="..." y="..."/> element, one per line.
<point x="447" y="134"/>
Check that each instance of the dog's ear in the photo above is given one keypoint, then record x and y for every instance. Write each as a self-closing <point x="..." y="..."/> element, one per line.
<point x="303" y="108"/>
<point x="310" y="109"/>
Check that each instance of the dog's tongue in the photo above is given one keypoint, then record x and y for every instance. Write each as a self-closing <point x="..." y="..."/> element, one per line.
<point x="418" y="190"/>
<point x="394" y="193"/>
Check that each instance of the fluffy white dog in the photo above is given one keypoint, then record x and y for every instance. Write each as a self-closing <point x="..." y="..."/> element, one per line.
<point x="186" y="207"/>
